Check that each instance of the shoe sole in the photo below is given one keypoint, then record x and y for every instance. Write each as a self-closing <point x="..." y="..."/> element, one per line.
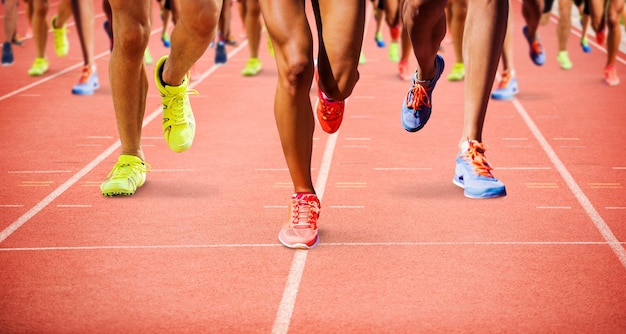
<point x="299" y="245"/>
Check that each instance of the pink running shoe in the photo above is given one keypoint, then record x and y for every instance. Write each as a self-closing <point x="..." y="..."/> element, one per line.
<point x="610" y="76"/>
<point x="301" y="229"/>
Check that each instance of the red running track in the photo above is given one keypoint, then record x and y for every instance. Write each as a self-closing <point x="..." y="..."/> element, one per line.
<point x="402" y="251"/>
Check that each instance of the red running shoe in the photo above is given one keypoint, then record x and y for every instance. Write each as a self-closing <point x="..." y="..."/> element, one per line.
<point x="329" y="112"/>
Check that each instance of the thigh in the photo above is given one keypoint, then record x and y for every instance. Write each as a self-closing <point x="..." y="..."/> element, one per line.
<point x="341" y="23"/>
<point x="288" y="27"/>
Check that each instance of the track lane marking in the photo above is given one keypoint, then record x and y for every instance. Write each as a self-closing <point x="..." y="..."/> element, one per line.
<point x="571" y="183"/>
<point x="23" y="219"/>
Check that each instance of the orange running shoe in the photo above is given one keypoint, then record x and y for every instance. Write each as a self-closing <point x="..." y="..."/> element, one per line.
<point x="300" y="231"/>
<point x="329" y="112"/>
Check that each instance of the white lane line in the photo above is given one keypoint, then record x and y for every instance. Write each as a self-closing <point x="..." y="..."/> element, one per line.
<point x="288" y="300"/>
<point x="6" y="232"/>
<point x="584" y="201"/>
<point x="321" y="244"/>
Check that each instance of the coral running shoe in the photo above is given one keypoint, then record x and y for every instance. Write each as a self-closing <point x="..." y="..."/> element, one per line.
<point x="457" y="73"/>
<point x="128" y="174"/>
<point x="473" y="173"/>
<point x="179" y="124"/>
<point x="507" y="88"/>
<point x="253" y="67"/>
<point x="61" y="43"/>
<point x="87" y="83"/>
<point x="536" y="49"/>
<point x="610" y="76"/>
<point x="40" y="66"/>
<point x="300" y="231"/>
<point x="417" y="106"/>
<point x="403" y="70"/>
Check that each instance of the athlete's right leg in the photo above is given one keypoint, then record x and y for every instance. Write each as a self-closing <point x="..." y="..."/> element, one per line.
<point x="129" y="87"/>
<point x="289" y="30"/>
<point x="129" y="83"/>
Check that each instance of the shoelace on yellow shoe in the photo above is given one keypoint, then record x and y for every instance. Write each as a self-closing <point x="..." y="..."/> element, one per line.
<point x="120" y="171"/>
<point x="178" y="103"/>
<point x="304" y="213"/>
<point x="475" y="156"/>
<point x="420" y="97"/>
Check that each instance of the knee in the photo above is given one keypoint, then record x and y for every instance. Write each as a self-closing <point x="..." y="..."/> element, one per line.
<point x="201" y="18"/>
<point x="298" y="70"/>
<point x="424" y="8"/>
<point x="40" y="8"/>
<point x="132" y="37"/>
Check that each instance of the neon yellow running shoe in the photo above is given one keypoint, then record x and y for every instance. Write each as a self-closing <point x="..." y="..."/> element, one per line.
<point x="563" y="58"/>
<point x="457" y="73"/>
<point x="128" y="174"/>
<point x="179" y="124"/>
<point x="61" y="43"/>
<point x="40" y="66"/>
<point x="394" y="52"/>
<point x="147" y="56"/>
<point x="253" y="67"/>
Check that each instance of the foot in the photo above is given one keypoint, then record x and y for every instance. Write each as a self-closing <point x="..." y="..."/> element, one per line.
<point x="563" y="59"/>
<point x="610" y="76"/>
<point x="61" y="43"/>
<point x="507" y="88"/>
<point x="473" y="173"/>
<point x="457" y="73"/>
<point x="40" y="66"/>
<point x="253" y="67"/>
<point x="537" y="55"/>
<point x="179" y="124"/>
<point x="417" y="106"/>
<point x="7" y="54"/>
<point x="301" y="231"/>
<point x="128" y="174"/>
<point x="87" y="83"/>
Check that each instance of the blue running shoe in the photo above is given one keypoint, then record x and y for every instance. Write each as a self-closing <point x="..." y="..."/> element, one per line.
<point x="473" y="173"/>
<point x="87" y="83"/>
<point x="584" y="43"/>
<point x="7" y="54"/>
<point x="220" y="53"/>
<point x="507" y="88"/>
<point x="417" y="107"/>
<point x="536" y="49"/>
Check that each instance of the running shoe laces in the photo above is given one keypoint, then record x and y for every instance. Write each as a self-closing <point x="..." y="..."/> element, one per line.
<point x="475" y="156"/>
<point x="304" y="212"/>
<point x="175" y="103"/>
<point x="418" y="96"/>
<point x="504" y="80"/>
<point x="128" y="174"/>
<point x="301" y="231"/>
